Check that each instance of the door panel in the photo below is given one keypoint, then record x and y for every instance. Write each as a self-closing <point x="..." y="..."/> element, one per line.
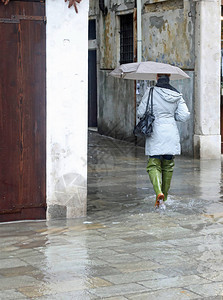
<point x="24" y="8"/>
<point x="22" y="112"/>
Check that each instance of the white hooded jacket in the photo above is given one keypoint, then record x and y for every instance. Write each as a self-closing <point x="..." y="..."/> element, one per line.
<point x="168" y="107"/>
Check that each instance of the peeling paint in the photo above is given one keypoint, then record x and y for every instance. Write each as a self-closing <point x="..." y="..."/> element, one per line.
<point x="123" y="6"/>
<point x="166" y="35"/>
<point x="115" y="7"/>
<point x="108" y="45"/>
<point x="163" y="6"/>
<point x="156" y="21"/>
<point x="154" y="1"/>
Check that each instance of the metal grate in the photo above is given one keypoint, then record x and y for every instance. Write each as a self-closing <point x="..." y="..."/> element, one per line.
<point x="126" y="39"/>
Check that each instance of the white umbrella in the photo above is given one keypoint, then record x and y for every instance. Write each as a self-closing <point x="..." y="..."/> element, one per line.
<point x="147" y="70"/>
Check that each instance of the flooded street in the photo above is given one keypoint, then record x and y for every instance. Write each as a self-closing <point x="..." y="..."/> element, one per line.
<point x="118" y="181"/>
<point x="124" y="248"/>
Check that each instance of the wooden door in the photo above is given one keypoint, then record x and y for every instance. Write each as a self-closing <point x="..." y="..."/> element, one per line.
<point x="22" y="111"/>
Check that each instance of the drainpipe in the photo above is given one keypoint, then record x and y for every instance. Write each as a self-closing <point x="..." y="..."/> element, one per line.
<point x="102" y="7"/>
<point x="139" y="31"/>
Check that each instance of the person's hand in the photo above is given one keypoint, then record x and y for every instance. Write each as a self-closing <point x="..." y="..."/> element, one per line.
<point x="5" y="2"/>
<point x="71" y="3"/>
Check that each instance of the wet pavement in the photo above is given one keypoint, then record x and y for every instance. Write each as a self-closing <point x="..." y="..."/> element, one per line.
<point x="123" y="249"/>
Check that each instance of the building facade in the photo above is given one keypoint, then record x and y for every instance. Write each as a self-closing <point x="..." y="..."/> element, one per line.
<point x="180" y="32"/>
<point x="43" y="99"/>
<point x="67" y="85"/>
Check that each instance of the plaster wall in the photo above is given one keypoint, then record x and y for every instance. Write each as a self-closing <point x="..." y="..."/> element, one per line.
<point x="67" y="44"/>
<point x="108" y="32"/>
<point x="186" y="129"/>
<point x="116" y="99"/>
<point x="168" y="35"/>
<point x="168" y="32"/>
<point x="116" y="107"/>
<point x="107" y="41"/>
<point x="93" y="8"/>
<point x="207" y="140"/>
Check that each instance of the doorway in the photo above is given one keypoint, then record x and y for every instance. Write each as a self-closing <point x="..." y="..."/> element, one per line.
<point x="221" y="93"/>
<point x="23" y="111"/>
<point x="92" y="75"/>
<point x="92" y="88"/>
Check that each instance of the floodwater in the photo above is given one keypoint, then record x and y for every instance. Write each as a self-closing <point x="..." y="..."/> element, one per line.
<point x="124" y="248"/>
<point x="117" y="181"/>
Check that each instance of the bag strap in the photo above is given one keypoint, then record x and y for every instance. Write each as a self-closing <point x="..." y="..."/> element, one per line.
<point x="150" y="95"/>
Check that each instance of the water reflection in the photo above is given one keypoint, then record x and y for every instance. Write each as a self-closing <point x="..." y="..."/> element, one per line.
<point x="120" y="182"/>
<point x="123" y="248"/>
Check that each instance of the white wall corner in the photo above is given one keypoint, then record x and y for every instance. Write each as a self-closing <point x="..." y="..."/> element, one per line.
<point x="207" y="80"/>
<point x="67" y="84"/>
<point x="207" y="147"/>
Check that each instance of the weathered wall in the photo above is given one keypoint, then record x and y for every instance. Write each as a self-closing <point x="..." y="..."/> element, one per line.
<point x="186" y="87"/>
<point x="108" y="36"/>
<point x="107" y="41"/>
<point x="167" y="36"/>
<point x="116" y="107"/>
<point x="116" y="104"/>
<point x="168" y="32"/>
<point x="182" y="33"/>
<point x="67" y="34"/>
<point x="93" y="8"/>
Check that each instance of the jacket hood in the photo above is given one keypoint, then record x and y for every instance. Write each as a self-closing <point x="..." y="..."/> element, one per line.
<point x="168" y="95"/>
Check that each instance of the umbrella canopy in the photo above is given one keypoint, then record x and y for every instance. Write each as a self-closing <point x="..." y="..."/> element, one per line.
<point x="147" y="70"/>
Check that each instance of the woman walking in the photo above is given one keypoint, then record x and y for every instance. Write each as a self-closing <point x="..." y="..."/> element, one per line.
<point x="168" y="107"/>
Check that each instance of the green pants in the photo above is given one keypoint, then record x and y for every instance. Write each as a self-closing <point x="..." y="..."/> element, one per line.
<point x="160" y="173"/>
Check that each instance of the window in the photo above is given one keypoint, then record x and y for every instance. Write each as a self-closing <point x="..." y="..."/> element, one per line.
<point x="92" y="29"/>
<point x="126" y="39"/>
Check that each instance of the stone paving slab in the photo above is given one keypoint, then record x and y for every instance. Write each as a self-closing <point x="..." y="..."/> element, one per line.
<point x="209" y="289"/>
<point x="174" y="282"/>
<point x="212" y="298"/>
<point x="11" y="294"/>
<point x="133" y="277"/>
<point x="116" y="298"/>
<point x="8" y="263"/>
<point x="123" y="249"/>
<point x="59" y="287"/>
<point x="20" y="271"/>
<point x="17" y="282"/>
<point x="183" y="269"/>
<point x="120" y="258"/>
<point x="137" y="266"/>
<point x="214" y="276"/>
<point x="83" y="295"/>
<point x="118" y="290"/>
<point x="167" y="294"/>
